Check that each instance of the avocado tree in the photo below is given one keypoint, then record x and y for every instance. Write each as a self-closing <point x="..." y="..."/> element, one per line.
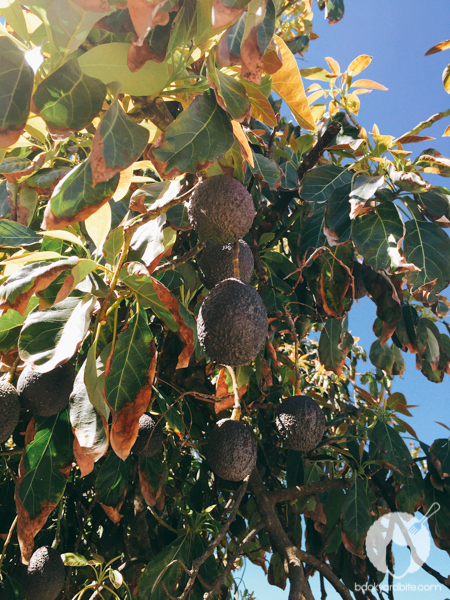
<point x="169" y="242"/>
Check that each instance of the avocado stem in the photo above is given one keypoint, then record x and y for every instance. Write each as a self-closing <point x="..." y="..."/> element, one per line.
<point x="236" y="414"/>
<point x="237" y="274"/>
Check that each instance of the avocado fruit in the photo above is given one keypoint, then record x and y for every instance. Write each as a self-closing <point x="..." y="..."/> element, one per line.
<point x="231" y="450"/>
<point x="221" y="210"/>
<point x="232" y="323"/>
<point x="45" y="575"/>
<point x="150" y="437"/>
<point x="45" y="394"/>
<point x="9" y="408"/>
<point x="300" y="423"/>
<point x="216" y="263"/>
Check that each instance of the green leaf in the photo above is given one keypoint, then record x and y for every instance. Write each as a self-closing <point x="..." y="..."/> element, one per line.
<point x="428" y="247"/>
<point x="337" y="216"/>
<point x="23" y="283"/>
<point x="136" y="277"/>
<point x="51" y="337"/>
<point x="70" y="24"/>
<point x="334" y="345"/>
<point x="312" y="232"/>
<point x="428" y="341"/>
<point x="68" y="99"/>
<point x="10" y="325"/>
<point x="112" y="479"/>
<point x="171" y="412"/>
<point x="376" y="236"/>
<point x="113" y="245"/>
<point x="391" y="449"/>
<point x="45" y="457"/>
<point x="446" y="78"/>
<point x="184" y="27"/>
<point x="14" y="235"/>
<point x="295" y="469"/>
<point x="130" y="362"/>
<point x="16" y="86"/>
<point x="266" y="170"/>
<point x="75" y="198"/>
<point x="73" y="559"/>
<point x="198" y="137"/>
<point x="411" y="492"/>
<point x="356" y="518"/>
<point x="118" y="143"/>
<point x="387" y="358"/>
<point x="108" y="62"/>
<point x="440" y="449"/>
<point x="321" y="181"/>
<point x="230" y="93"/>
<point x="365" y="186"/>
<point x="147" y="243"/>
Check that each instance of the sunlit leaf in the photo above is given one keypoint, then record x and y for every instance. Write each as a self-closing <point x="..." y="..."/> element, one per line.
<point x="438" y="48"/>
<point x="359" y="64"/>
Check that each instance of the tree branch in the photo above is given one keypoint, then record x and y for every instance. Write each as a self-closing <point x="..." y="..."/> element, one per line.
<point x="218" y="581"/>
<point x="307" y="490"/>
<point x="171" y="264"/>
<point x="316" y="151"/>
<point x="299" y="589"/>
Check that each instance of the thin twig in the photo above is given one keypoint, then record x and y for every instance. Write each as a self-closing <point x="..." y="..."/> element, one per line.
<point x="13" y="369"/>
<point x="171" y="264"/>
<point x="8" y="539"/>
<point x="230" y="562"/>
<point x="312" y="489"/>
<point x="160" y="521"/>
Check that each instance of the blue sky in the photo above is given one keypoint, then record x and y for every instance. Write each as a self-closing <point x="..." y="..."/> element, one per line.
<point x="397" y="33"/>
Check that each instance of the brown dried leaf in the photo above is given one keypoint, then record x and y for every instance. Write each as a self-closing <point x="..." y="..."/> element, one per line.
<point x="187" y="334"/>
<point x="246" y="151"/>
<point x="99" y="6"/>
<point x="35" y="165"/>
<point x="150" y="495"/>
<point x="138" y="55"/>
<point x="113" y="512"/>
<point x="146" y="14"/>
<point x="223" y="15"/>
<point x="438" y="48"/>
<point x="350" y="546"/>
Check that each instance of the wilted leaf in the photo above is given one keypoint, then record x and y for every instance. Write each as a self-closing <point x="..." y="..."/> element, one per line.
<point x="334" y="345"/>
<point x="16" y="85"/>
<point x="75" y="198"/>
<point x="198" y="137"/>
<point x="117" y="144"/>
<point x="261" y="107"/>
<point x="68" y="99"/>
<point x="51" y="337"/>
<point x="287" y="82"/>
<point x="89" y="426"/>
<point x="22" y="284"/>
<point x="438" y="48"/>
<point x="108" y="62"/>
<point x="224" y="13"/>
<point x="146" y="14"/>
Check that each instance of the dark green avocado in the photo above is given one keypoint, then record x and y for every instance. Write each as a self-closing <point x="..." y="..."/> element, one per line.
<point x="45" y="394"/>
<point x="300" y="423"/>
<point x="232" y="323"/>
<point x="221" y="210"/>
<point x="9" y="410"/>
<point x="231" y="450"/>
<point x="216" y="263"/>
<point x="45" y="575"/>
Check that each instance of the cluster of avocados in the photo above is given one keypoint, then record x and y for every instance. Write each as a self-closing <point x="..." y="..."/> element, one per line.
<point x="232" y="324"/>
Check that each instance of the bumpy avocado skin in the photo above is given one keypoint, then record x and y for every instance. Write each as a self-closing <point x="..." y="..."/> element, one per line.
<point x="45" y="575"/>
<point x="45" y="394"/>
<point x="360" y="288"/>
<point x="216" y="263"/>
<point x="231" y="450"/>
<point x="149" y="439"/>
<point x="9" y="410"/>
<point x="300" y="423"/>
<point x="232" y="323"/>
<point x="221" y="210"/>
